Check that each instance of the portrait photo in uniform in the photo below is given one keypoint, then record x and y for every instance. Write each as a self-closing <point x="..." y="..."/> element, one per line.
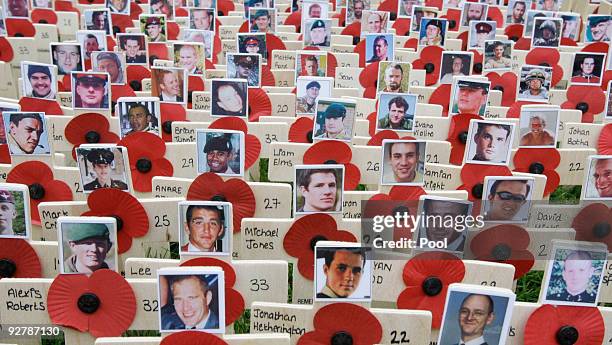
<point x="318" y="188"/>
<point x="134" y="46"/>
<point x="15" y="8"/>
<point x="354" y="10"/>
<point x="607" y="113"/>
<point x="87" y="244"/>
<point x="420" y="12"/>
<point x="308" y="91"/>
<point x="229" y="97"/>
<point x="476" y="315"/>
<point x="6" y="107"/>
<point x="379" y="47"/>
<point x="154" y="27"/>
<point x="479" y="32"/>
<point x="314" y="10"/>
<point x="404" y="7"/>
<point x="374" y="22"/>
<point x="112" y="63"/>
<point x="26" y="133"/>
<point x="598" y="179"/>
<point x="253" y="43"/>
<point x="546" y="32"/>
<point x="162" y="7"/>
<point x="244" y="66"/>
<point x="455" y="64"/>
<point x="262" y="20"/>
<point x="597" y="28"/>
<point x="516" y="11"/>
<point x="396" y="111"/>
<point x="446" y="222"/>
<point x="342" y="273"/>
<point x="588" y="68"/>
<point x="335" y="119"/>
<point x="138" y="114"/>
<point x="538" y="126"/>
<point x="489" y="142"/>
<point x="204" y="37"/>
<point x="103" y="167"/>
<point x="571" y="25"/>
<point x="318" y="33"/>
<point x="39" y="80"/>
<point x="575" y="273"/>
<point x="473" y="12"/>
<point x="118" y="6"/>
<point x="91" y="41"/>
<point x="393" y="76"/>
<point x="189" y="57"/>
<point x="530" y="18"/>
<point x="68" y="57"/>
<point x="169" y="84"/>
<point x="90" y="90"/>
<point x="202" y="18"/>
<point x="507" y="199"/>
<point x="311" y="63"/>
<point x="469" y="96"/>
<point x="99" y="19"/>
<point x="433" y="32"/>
<point x="534" y="84"/>
<point x="191" y="298"/>
<point x="497" y="55"/>
<point x="205" y="227"/>
<point x="221" y="152"/>
<point x="403" y="162"/>
<point x="15" y="211"/>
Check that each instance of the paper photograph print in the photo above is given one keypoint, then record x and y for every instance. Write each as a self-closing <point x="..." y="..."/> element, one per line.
<point x="220" y="152"/>
<point x="169" y="84"/>
<point x="15" y="8"/>
<point x="489" y="142"/>
<point x="6" y="107"/>
<point x="190" y="57"/>
<point x="538" y="127"/>
<point x="205" y="227"/>
<point x="393" y="76"/>
<point x="154" y="27"/>
<point x="420" y="12"/>
<point x="309" y="90"/>
<point x="469" y="96"/>
<point x="396" y="111"/>
<point x="103" y="167"/>
<point x="535" y="83"/>
<point x="98" y="20"/>
<point x="432" y="32"/>
<point x="574" y="274"/>
<point x="112" y="63"/>
<point x="453" y="233"/>
<point x="162" y="7"/>
<point x="244" y="66"/>
<point x="455" y="64"/>
<point x="138" y="114"/>
<point x="498" y="55"/>
<point x="68" y="57"/>
<point x="548" y="5"/>
<point x="15" y="211"/>
<point x="253" y="43"/>
<point x="317" y="33"/>
<point x="588" y="68"/>
<point x="26" y="133"/>
<point x="335" y="119"/>
<point x="404" y="8"/>
<point x="318" y="188"/>
<point x="374" y="22"/>
<point x="87" y="244"/>
<point x="262" y="20"/>
<point x="516" y="11"/>
<point x="90" y="90"/>
<point x="204" y="37"/>
<point x="311" y="63"/>
<point x="202" y="19"/>
<point x="229" y="97"/>
<point x="530" y="18"/>
<point x="546" y="32"/>
<point x="39" y="80"/>
<point x="507" y="199"/>
<point x="481" y="315"/>
<point x="572" y="23"/>
<point x="135" y="48"/>
<point x="191" y="298"/>
<point x="403" y="162"/>
<point x="355" y="8"/>
<point x="597" y="28"/>
<point x="598" y="179"/>
<point x="380" y="47"/>
<point x="91" y="41"/>
<point x="342" y="273"/>
<point x="118" y="6"/>
<point x="314" y="9"/>
<point x="480" y="32"/>
<point x="248" y="4"/>
<point x="473" y="12"/>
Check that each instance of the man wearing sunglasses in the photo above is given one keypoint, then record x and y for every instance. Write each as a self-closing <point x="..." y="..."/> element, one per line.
<point x="505" y="199"/>
<point x="343" y="268"/>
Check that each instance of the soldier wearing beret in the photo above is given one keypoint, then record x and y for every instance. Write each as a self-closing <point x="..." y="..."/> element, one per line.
<point x="599" y="27"/>
<point x="318" y="34"/>
<point x="219" y="153"/>
<point x="483" y="33"/>
<point x="90" y="91"/>
<point x="245" y="69"/>
<point x="535" y="85"/>
<point x="89" y="244"/>
<point x="433" y="33"/>
<point x="8" y="213"/>
<point x="577" y="273"/>
<point x="547" y="36"/>
<point x="101" y="160"/>
<point x="154" y="30"/>
<point x="498" y="60"/>
<point x="307" y="104"/>
<point x="261" y="22"/>
<point x="24" y="132"/>
<point x="334" y="123"/>
<point x="396" y="118"/>
<point x="40" y="79"/>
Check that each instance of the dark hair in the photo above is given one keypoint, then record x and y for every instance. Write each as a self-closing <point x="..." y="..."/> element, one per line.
<point x="220" y="84"/>
<point x="483" y="125"/>
<point x="179" y="278"/>
<point x="311" y="58"/>
<point x="139" y="105"/>
<point x="91" y="36"/>
<point x="399" y="102"/>
<point x="496" y="184"/>
<point x="579" y="255"/>
<point x="416" y="146"/>
<point x="330" y="253"/>
<point x="395" y="66"/>
<point x="97" y="13"/>
<point x="489" y="299"/>
<point x="519" y="2"/>
<point x="303" y="176"/>
<point x="381" y="38"/>
<point x="428" y="203"/>
<point x="191" y="208"/>
<point x="497" y="44"/>
<point x="16" y="118"/>
<point x="124" y="39"/>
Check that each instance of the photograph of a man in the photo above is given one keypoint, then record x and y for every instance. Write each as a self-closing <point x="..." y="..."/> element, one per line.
<point x="190" y="57"/>
<point x="506" y="198"/>
<point x="588" y="69"/>
<point x="470" y="97"/>
<point x="86" y="246"/>
<point x="318" y="35"/>
<point x="307" y="103"/>
<point x="67" y="57"/>
<point x="393" y="77"/>
<point x="481" y="31"/>
<point x="599" y="179"/>
<point x="169" y="84"/>
<point x="498" y="55"/>
<point x="318" y="188"/>
<point x="516" y="12"/>
<point x="335" y="121"/>
<point x="39" y="80"/>
<point x="475" y="314"/>
<point x="12" y="213"/>
<point x="432" y="32"/>
<point x="98" y="20"/>
<point x="262" y="20"/>
<point x="473" y="11"/>
<point x="438" y="229"/>
<point x="455" y="64"/>
<point x="403" y="162"/>
<point x="220" y="154"/>
<point x="546" y="32"/>
<point x="16" y="8"/>
<point x="396" y="111"/>
<point x="201" y="18"/>
<point x="112" y="63"/>
<point x="229" y="98"/>
<point x="380" y="47"/>
<point x="311" y="66"/>
<point x="491" y="142"/>
<point x="538" y="127"/>
<point x="138" y="115"/>
<point x="118" y="6"/>
<point x="341" y="273"/>
<point x="154" y="27"/>
<point x="101" y="162"/>
<point x="91" y="91"/>
<point x="598" y="28"/>
<point x="534" y="83"/>
<point x="25" y="133"/>
<point x="134" y="47"/>
<point x="203" y="227"/>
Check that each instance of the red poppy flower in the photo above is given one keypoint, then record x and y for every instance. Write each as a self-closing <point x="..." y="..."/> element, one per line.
<point x="169" y="113"/>
<point x="353" y="29"/>
<point x="146" y="152"/>
<point x="234" y="302"/>
<point x="110" y="43"/>
<point x="546" y="57"/>
<point x="18" y="259"/>
<point x="225" y="6"/>
<point x="429" y="60"/>
<point x="607" y="76"/>
<point x="590" y="100"/>
<point x="427" y="276"/>
<point x="596" y="47"/>
<point x="43" y="16"/>
<point x="514" y="112"/>
<point x="43" y="188"/>
<point x="552" y="325"/>
<point x="523" y="43"/>
<point x="132" y="218"/>
<point x="402" y="27"/>
<point x="303" y="235"/>
<point x="388" y="6"/>
<point x="472" y="176"/>
<point x="566" y="41"/>
<point x="210" y="186"/>
<point x="252" y="144"/>
<point x="135" y="75"/>
<point x="341" y="16"/>
<point x="494" y="13"/>
<point x="357" y="325"/>
<point x="180" y="12"/>
<point x="514" y="31"/>
<point x="464" y="39"/>
<point x="477" y="69"/>
<point x="441" y="96"/>
<point x="192" y="338"/>
<point x="434" y="3"/>
<point x="173" y="30"/>
<point x="65" y="6"/>
<point x="274" y="43"/>
<point x="19" y="27"/>
<point x="121" y="22"/>
<point x="506" y="83"/>
<point x="267" y="77"/>
<point x="6" y="50"/>
<point x="506" y="244"/>
<point x="604" y="144"/>
<point x="5" y="155"/>
<point x="118" y="91"/>
<point x="372" y="119"/>
<point x="334" y="152"/>
<point x="89" y="128"/>
<point x="103" y="304"/>
<point x="259" y="104"/>
<point x="301" y="130"/>
<point x="458" y="135"/>
<point x="135" y="11"/>
<point x="412" y="43"/>
<point x="157" y="51"/>
<point x="594" y="224"/>
<point x="378" y="138"/>
<point x="47" y="106"/>
<point x="454" y="18"/>
<point x="294" y="19"/>
<point x="539" y="161"/>
<point x="369" y="75"/>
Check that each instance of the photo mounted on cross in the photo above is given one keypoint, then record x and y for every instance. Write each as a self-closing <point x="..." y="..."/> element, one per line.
<point x="205" y="227"/>
<point x="135" y="48"/>
<point x="335" y="119"/>
<point x="403" y="162"/>
<point x="91" y="90"/>
<point x="318" y="188"/>
<point x="469" y="96"/>
<point x="103" y="166"/>
<point x="343" y="272"/>
<point x="112" y="63"/>
<point x="396" y="111"/>
<point x="26" y="133"/>
<point x="308" y="91"/>
<point x="507" y="199"/>
<point x="138" y="114"/>
<point x="489" y="142"/>
<point x="220" y="151"/>
<point x="229" y="97"/>
<point x="39" y="80"/>
<point x="244" y="66"/>
<point x="169" y="84"/>
<point x="393" y="76"/>
<point x="15" y="221"/>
